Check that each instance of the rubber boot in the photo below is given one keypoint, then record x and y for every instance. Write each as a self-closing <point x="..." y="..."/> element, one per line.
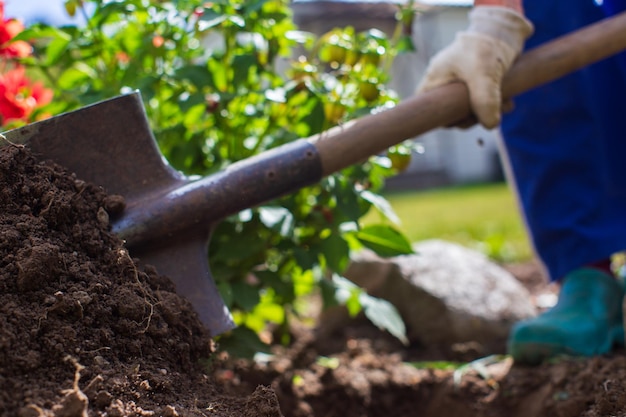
<point x="586" y="321"/>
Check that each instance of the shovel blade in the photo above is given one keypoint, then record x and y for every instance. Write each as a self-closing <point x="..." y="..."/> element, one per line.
<point x="185" y="259"/>
<point x="111" y="144"/>
<point x="108" y="143"/>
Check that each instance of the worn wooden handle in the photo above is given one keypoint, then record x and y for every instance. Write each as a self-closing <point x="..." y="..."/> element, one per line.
<point x="348" y="144"/>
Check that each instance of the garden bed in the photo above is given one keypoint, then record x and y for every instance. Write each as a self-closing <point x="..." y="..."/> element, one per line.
<point x="85" y="331"/>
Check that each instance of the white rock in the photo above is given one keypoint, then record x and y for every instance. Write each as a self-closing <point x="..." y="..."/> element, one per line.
<point x="446" y="293"/>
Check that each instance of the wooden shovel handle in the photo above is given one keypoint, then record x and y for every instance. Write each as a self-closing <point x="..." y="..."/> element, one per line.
<point x="349" y="144"/>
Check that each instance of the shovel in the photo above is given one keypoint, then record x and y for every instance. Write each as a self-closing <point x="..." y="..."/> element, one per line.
<point x="169" y="217"/>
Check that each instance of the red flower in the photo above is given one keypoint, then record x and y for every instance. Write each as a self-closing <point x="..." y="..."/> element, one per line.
<point x="19" y="97"/>
<point x="10" y="28"/>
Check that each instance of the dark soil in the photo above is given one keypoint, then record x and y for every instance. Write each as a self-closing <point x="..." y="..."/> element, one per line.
<point x="82" y="329"/>
<point x="86" y="331"/>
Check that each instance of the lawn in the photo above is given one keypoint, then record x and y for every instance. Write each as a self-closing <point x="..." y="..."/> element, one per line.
<point x="483" y="217"/>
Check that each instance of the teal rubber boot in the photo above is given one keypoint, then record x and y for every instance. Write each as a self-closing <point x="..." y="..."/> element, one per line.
<point x="586" y="321"/>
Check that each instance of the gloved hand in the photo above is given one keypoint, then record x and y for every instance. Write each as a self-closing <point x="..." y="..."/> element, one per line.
<point x="480" y="56"/>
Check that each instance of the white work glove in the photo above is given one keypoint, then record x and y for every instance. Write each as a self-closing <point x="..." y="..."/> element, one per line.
<point x="480" y="56"/>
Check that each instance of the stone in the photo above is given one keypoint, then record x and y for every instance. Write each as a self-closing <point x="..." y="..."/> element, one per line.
<point x="446" y="293"/>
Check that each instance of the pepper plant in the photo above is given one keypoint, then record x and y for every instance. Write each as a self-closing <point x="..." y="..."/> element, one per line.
<point x="225" y="80"/>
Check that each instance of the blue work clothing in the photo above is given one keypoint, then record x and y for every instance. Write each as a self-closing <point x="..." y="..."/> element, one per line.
<point x="566" y="145"/>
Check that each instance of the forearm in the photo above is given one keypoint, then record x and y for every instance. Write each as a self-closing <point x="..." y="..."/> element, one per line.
<point x="513" y="4"/>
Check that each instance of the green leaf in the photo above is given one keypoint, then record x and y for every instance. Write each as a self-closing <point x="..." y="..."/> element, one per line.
<point x="253" y="6"/>
<point x="198" y="75"/>
<point x="270" y="312"/>
<point x="277" y="218"/>
<point x="56" y="49"/>
<point x="302" y="37"/>
<point x="348" y="294"/>
<point x="189" y="101"/>
<point x="315" y="117"/>
<point x="326" y="362"/>
<point x="347" y="198"/>
<point x="210" y="19"/>
<point x="245" y="295"/>
<point x="239" y="246"/>
<point x="237" y="21"/>
<point x="384" y="315"/>
<point x="76" y="75"/>
<point x="336" y="252"/>
<point x="219" y="74"/>
<point x="304" y="281"/>
<point x="147" y="85"/>
<point x="40" y="32"/>
<point x="384" y="240"/>
<point x="376" y="34"/>
<point x="353" y="304"/>
<point x="305" y="258"/>
<point x="193" y="115"/>
<point x="328" y="291"/>
<point x="405" y="45"/>
<point x="381" y="205"/>
<point x="241" y="66"/>
<point x="272" y="280"/>
<point x="242" y="342"/>
<point x="226" y="292"/>
<point x="111" y="11"/>
<point x="440" y="365"/>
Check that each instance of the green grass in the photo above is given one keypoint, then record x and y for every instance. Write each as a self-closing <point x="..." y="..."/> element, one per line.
<point x="482" y="217"/>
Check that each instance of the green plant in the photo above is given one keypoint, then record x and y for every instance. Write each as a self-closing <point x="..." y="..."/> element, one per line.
<point x="213" y="94"/>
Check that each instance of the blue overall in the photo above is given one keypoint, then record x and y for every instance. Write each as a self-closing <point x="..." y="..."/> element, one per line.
<point x="566" y="144"/>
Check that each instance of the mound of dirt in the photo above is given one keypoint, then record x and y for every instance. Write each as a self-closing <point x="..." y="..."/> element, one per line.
<point x="84" y="331"/>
